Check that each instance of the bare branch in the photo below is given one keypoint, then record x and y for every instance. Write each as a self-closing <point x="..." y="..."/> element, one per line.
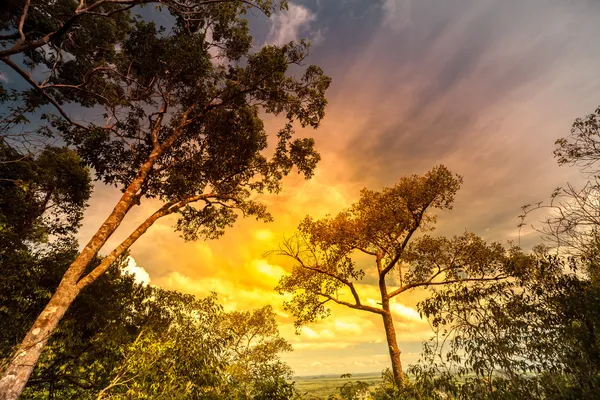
<point x="22" y="22"/>
<point x="27" y="78"/>
<point x="354" y="306"/>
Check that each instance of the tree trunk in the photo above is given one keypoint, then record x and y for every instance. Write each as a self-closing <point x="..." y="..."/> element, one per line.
<point x="19" y="370"/>
<point x="390" y="334"/>
<point x="16" y="374"/>
<point x="388" y="324"/>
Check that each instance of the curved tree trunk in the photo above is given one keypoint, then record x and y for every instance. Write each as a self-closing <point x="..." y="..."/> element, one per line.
<point x="19" y="370"/>
<point x="388" y="324"/>
<point x="17" y="373"/>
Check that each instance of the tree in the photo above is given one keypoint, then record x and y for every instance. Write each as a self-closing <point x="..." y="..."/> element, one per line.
<point x="186" y="130"/>
<point x="493" y="336"/>
<point x="60" y="37"/>
<point x="254" y="368"/>
<point x="177" y="352"/>
<point x="534" y="336"/>
<point x="383" y="225"/>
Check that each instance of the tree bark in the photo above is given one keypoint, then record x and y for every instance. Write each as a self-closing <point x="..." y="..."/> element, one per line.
<point x="394" y="350"/>
<point x="388" y="324"/>
<point x="16" y="374"/>
<point x="21" y="366"/>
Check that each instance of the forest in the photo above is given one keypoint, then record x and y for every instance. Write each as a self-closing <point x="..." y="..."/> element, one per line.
<point x="148" y="148"/>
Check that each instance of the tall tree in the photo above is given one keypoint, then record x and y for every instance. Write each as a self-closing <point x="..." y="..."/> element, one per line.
<point x="383" y="226"/>
<point x="183" y="125"/>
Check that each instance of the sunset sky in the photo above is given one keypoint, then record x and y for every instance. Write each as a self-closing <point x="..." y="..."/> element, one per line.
<point x="484" y="87"/>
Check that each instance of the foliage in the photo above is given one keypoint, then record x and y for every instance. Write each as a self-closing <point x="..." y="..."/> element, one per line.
<point x="383" y="226"/>
<point x="42" y="199"/>
<point x="254" y="369"/>
<point x="55" y="180"/>
<point x="60" y="38"/>
<point x="177" y="353"/>
<point x="535" y="336"/>
<point x="379" y="225"/>
<point x="123" y="340"/>
<point x="580" y="148"/>
<point x="352" y="390"/>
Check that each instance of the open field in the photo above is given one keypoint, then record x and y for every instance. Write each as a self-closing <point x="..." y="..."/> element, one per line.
<point x="321" y="386"/>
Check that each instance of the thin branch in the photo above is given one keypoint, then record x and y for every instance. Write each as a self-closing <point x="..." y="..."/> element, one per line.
<point x="22" y="22"/>
<point x="354" y="306"/>
<point x="418" y="218"/>
<point x="448" y="282"/>
<point x="27" y="78"/>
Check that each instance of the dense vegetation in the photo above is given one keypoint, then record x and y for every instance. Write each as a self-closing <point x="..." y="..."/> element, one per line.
<point x="182" y="111"/>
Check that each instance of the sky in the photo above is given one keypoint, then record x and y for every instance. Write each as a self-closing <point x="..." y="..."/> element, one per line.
<point x="483" y="87"/>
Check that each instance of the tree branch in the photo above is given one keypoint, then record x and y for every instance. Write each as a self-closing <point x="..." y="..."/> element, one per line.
<point x="165" y="210"/>
<point x="429" y="283"/>
<point x="354" y="306"/>
<point x="418" y="218"/>
<point x="22" y="22"/>
<point x="28" y="79"/>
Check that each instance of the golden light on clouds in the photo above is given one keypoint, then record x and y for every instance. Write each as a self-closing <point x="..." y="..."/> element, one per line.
<point x="484" y="92"/>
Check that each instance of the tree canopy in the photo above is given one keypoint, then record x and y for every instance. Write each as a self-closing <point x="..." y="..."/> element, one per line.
<point x="383" y="226"/>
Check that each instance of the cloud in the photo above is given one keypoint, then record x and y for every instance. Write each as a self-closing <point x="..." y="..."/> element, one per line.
<point x="289" y="24"/>
<point x="348" y="327"/>
<point x="405" y="313"/>
<point x="139" y="273"/>
<point x="396" y="13"/>
<point x="3" y="78"/>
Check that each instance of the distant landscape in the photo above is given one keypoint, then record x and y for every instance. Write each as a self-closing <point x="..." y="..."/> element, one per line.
<point x="322" y="386"/>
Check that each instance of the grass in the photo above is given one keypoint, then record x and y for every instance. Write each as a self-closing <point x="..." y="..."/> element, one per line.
<point x="321" y="386"/>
